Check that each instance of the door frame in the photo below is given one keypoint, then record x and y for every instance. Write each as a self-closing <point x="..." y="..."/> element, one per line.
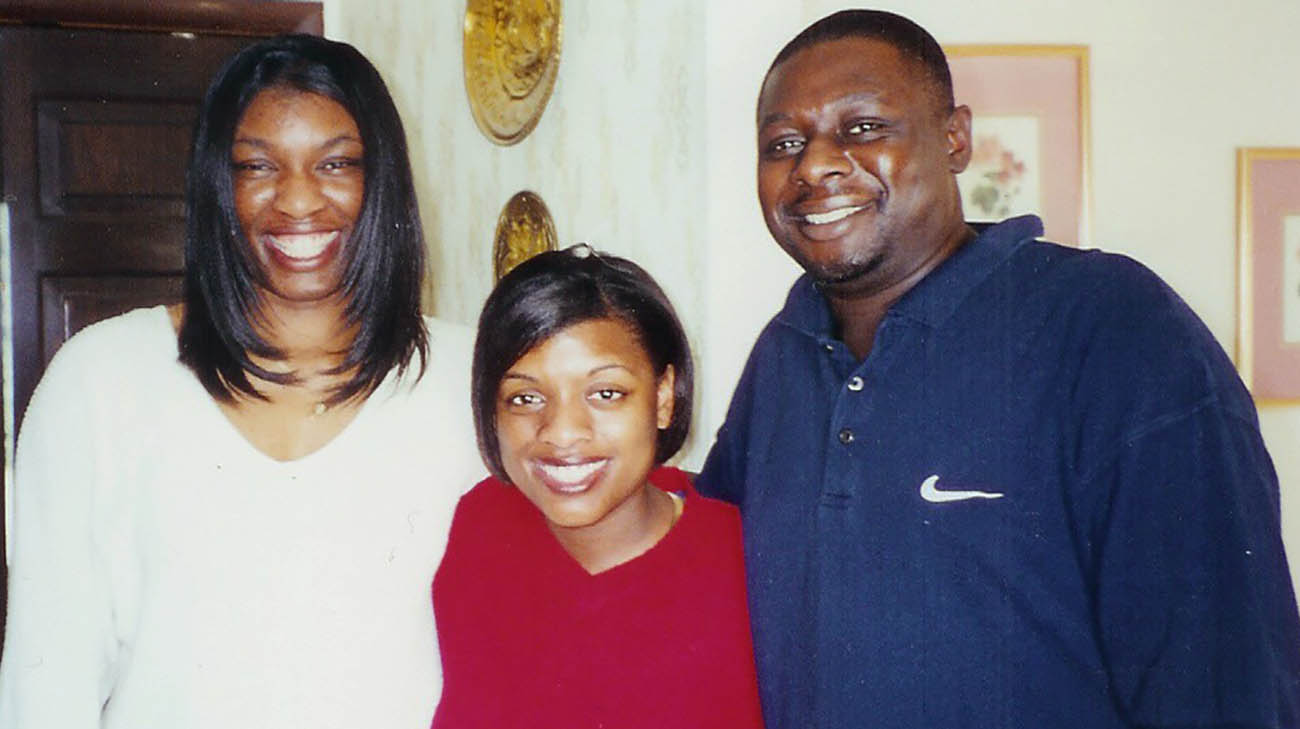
<point x="225" y="17"/>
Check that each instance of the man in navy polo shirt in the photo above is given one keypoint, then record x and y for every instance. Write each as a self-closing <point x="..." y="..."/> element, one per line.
<point x="986" y="481"/>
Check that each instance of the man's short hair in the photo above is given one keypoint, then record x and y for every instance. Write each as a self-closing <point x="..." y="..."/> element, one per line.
<point x="911" y="40"/>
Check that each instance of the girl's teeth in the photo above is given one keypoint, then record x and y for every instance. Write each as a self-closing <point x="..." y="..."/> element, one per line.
<point x="302" y="245"/>
<point x="832" y="216"/>
<point x="575" y="473"/>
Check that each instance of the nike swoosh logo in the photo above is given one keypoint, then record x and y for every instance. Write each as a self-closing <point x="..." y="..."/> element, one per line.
<point x="931" y="493"/>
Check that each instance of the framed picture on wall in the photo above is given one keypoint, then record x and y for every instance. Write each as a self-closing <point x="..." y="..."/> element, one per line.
<point x="1029" y="105"/>
<point x="1268" y="270"/>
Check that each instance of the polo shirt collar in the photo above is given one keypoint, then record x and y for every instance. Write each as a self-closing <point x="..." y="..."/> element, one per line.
<point x="936" y="296"/>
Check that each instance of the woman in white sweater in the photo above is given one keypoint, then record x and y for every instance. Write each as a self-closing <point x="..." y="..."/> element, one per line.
<point x="228" y="512"/>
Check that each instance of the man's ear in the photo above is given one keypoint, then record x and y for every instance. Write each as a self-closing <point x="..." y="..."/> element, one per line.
<point x="664" y="399"/>
<point x="958" y="133"/>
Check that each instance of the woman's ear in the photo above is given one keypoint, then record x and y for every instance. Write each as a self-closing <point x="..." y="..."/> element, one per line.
<point x="664" y="397"/>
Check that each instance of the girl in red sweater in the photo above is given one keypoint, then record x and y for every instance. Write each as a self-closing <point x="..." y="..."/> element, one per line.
<point x="585" y="585"/>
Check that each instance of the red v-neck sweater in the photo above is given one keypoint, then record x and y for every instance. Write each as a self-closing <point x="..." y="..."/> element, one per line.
<point x="530" y="639"/>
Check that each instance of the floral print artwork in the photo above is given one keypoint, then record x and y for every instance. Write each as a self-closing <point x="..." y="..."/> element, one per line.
<point x="1002" y="179"/>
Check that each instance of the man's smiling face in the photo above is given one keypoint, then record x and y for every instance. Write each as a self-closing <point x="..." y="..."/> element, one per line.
<point x="856" y="163"/>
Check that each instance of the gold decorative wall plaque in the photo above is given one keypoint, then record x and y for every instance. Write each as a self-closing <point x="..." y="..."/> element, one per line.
<point x="524" y="229"/>
<point x="512" y="55"/>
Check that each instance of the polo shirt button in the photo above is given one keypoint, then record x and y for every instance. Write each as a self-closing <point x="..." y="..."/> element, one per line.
<point x="855" y="383"/>
<point x="829" y="347"/>
<point x="846" y="436"/>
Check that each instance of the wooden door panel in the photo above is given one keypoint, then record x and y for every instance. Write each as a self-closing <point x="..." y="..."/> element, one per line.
<point x="71" y="303"/>
<point x="96" y="128"/>
<point x="83" y="172"/>
<point x="87" y="247"/>
<point x="94" y="64"/>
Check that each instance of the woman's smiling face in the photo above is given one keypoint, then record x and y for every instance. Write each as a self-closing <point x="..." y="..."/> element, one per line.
<point x="299" y="185"/>
<point x="578" y="418"/>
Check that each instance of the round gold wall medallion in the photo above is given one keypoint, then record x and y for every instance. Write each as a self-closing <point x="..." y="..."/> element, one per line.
<point x="512" y="55"/>
<point x="524" y="229"/>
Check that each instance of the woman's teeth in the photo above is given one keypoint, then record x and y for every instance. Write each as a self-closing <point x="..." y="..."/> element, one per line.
<point x="302" y="245"/>
<point x="831" y="216"/>
<point x="571" y="474"/>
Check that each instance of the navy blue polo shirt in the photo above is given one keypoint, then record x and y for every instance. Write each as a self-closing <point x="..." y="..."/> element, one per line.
<point x="1042" y="500"/>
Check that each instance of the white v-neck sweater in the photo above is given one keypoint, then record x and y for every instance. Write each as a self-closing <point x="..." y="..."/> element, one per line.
<point x="165" y="573"/>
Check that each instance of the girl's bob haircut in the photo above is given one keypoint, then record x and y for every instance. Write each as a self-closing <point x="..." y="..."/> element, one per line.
<point x="553" y="291"/>
<point x="381" y="284"/>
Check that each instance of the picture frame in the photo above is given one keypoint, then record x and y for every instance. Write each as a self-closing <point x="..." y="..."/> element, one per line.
<point x="1268" y="272"/>
<point x="1030" y="135"/>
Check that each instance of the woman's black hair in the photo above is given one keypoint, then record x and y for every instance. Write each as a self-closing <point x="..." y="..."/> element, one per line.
<point x="381" y="283"/>
<point x="553" y="291"/>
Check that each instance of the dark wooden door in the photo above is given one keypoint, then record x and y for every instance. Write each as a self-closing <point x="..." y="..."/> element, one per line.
<point x="95" y="126"/>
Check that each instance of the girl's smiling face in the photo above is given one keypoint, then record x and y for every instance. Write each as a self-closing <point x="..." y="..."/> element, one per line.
<point x="577" y="419"/>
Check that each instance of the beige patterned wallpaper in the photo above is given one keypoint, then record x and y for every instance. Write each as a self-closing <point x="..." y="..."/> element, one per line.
<point x="618" y="155"/>
<point x="647" y="149"/>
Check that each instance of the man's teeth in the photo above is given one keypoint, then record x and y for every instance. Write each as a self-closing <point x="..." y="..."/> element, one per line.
<point x="832" y="216"/>
<point x="573" y="474"/>
<point x="302" y="245"/>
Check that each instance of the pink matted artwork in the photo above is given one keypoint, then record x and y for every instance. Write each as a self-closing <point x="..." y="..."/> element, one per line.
<point x="1268" y="245"/>
<point x="1002" y="177"/>
<point x="1029" y="134"/>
